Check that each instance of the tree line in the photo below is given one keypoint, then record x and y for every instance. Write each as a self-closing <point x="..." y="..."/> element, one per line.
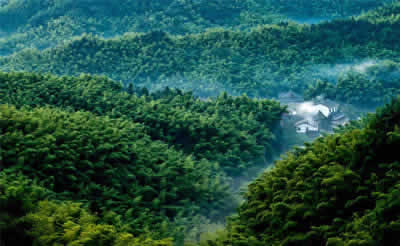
<point x="261" y="63"/>
<point x="42" y="24"/>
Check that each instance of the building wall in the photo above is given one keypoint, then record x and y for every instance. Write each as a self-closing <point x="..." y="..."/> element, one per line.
<point x="304" y="128"/>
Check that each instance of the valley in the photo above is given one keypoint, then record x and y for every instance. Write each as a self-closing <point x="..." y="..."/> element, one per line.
<point x="199" y="123"/>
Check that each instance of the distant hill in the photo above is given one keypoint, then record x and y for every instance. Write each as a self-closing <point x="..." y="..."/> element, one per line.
<point x="44" y="23"/>
<point x="366" y="85"/>
<point x="261" y="63"/>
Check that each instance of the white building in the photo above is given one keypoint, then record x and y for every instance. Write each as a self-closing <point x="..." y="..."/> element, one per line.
<point x="305" y="126"/>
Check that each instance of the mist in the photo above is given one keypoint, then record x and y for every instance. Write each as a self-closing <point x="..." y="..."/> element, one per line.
<point x="310" y="21"/>
<point x="362" y="67"/>
<point x="203" y="88"/>
<point x="332" y="72"/>
<point x="309" y="109"/>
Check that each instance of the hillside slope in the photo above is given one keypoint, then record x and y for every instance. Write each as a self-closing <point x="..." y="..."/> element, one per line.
<point x="237" y="133"/>
<point x="109" y="166"/>
<point x="341" y="190"/>
<point x="368" y="85"/>
<point x="149" y="165"/>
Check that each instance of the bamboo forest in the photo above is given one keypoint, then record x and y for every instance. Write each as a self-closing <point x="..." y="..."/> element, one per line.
<point x="199" y="122"/>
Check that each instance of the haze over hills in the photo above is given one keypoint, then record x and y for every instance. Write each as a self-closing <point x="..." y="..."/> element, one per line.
<point x="261" y="63"/>
<point x="42" y="24"/>
<point x="140" y="123"/>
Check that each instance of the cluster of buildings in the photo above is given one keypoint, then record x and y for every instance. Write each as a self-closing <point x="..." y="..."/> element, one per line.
<point x="311" y="118"/>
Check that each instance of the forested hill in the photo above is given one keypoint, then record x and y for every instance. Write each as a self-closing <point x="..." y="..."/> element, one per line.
<point x="44" y="23"/>
<point x="261" y="62"/>
<point x="366" y="85"/>
<point x="84" y="159"/>
<point x="235" y="132"/>
<point x="137" y="122"/>
<point x="342" y="190"/>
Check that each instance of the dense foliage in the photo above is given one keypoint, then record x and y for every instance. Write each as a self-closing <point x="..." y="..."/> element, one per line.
<point x="120" y="160"/>
<point x="261" y="63"/>
<point x="235" y="132"/>
<point x="110" y="164"/>
<point x="38" y="23"/>
<point x="369" y="85"/>
<point x="151" y="161"/>
<point x="29" y="218"/>
<point x="341" y="190"/>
